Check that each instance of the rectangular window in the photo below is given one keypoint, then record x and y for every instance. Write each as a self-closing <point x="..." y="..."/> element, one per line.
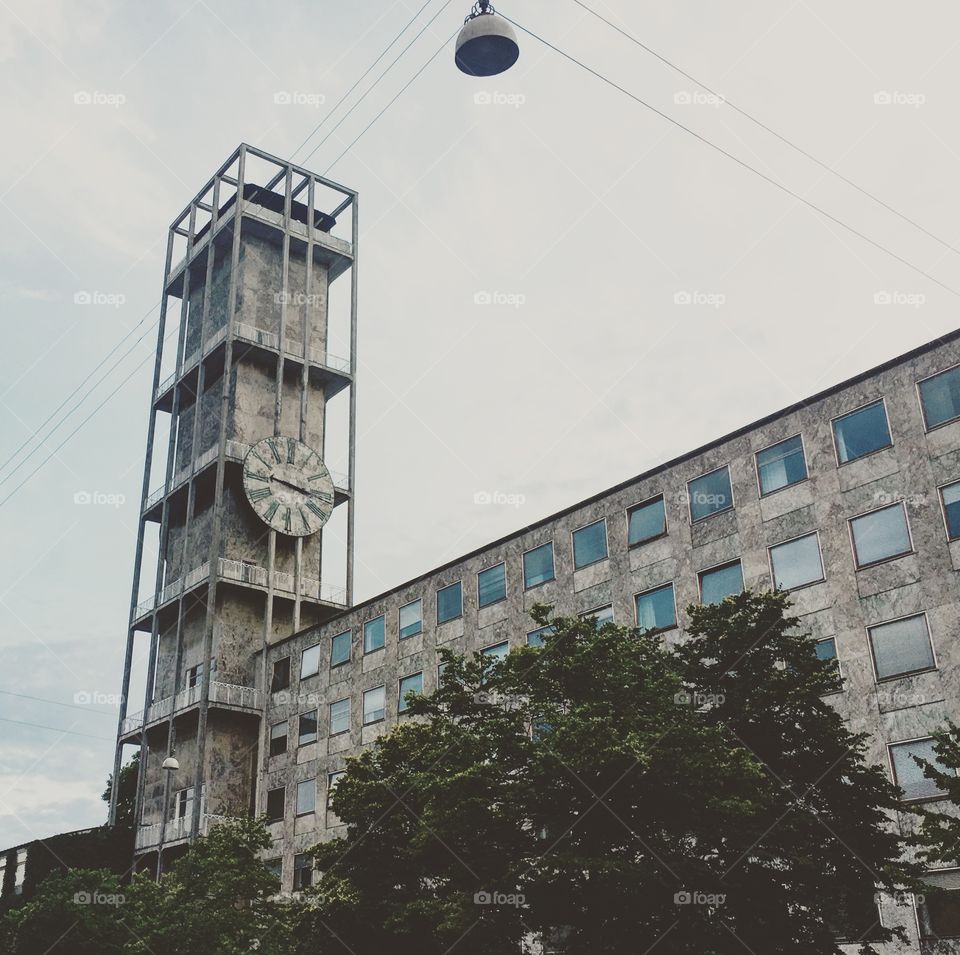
<point x="374" y="705"/>
<point x="340" y="648"/>
<point x="308" y="728"/>
<point x="901" y="646"/>
<point x="590" y="544"/>
<point x="908" y="775"/>
<point x="710" y="494"/>
<point x="411" y="619"/>
<point x="302" y="871"/>
<point x="657" y="609"/>
<point x="861" y="432"/>
<point x="195" y="675"/>
<point x="880" y="535"/>
<point x="496" y="653"/>
<point x="938" y="914"/>
<point x="182" y="806"/>
<point x="538" y="565"/>
<point x="332" y="780"/>
<point x="721" y="582"/>
<point x="340" y="717"/>
<point x="374" y="634"/>
<point x="450" y="602"/>
<point x="797" y="562"/>
<point x="274" y="867"/>
<point x="492" y="585"/>
<point x="278" y="739"/>
<point x="535" y="637"/>
<point x="280" y="680"/>
<point x="781" y="465"/>
<point x="306" y="797"/>
<point x="310" y="661"/>
<point x="646" y="522"/>
<point x="950" y="496"/>
<point x="603" y="615"/>
<point x="275" y="804"/>
<point x="440" y="668"/>
<point x="409" y="684"/>
<point x="826" y="650"/>
<point x="20" y="873"/>
<point x="940" y="397"/>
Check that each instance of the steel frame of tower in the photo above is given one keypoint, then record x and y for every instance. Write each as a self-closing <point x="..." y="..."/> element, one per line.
<point x="185" y="226"/>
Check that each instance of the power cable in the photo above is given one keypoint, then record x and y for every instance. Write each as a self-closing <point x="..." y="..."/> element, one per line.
<point x="56" y="729"/>
<point x="72" y="706"/>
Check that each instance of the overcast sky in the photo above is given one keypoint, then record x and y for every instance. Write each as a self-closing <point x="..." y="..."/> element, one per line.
<point x="648" y="293"/>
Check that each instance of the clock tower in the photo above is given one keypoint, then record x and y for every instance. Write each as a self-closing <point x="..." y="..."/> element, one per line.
<point x="246" y="522"/>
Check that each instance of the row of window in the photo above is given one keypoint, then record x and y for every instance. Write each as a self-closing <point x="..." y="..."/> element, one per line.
<point x="305" y="800"/>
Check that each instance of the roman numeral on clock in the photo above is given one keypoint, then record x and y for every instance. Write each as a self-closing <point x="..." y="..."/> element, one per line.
<point x="316" y="509"/>
<point x="260" y="493"/>
<point x="271" y="510"/>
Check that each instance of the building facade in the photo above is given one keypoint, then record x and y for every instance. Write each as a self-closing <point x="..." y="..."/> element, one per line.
<point x="850" y="500"/>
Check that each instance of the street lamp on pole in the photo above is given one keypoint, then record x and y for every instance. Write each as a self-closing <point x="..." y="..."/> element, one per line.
<point x="486" y="45"/>
<point x="169" y="766"/>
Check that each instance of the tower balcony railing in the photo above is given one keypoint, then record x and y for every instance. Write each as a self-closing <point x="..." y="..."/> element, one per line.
<point x="231" y="695"/>
<point x="176" y="830"/>
<point x="235" y="451"/>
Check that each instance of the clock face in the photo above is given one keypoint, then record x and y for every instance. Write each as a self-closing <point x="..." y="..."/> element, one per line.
<point x="288" y="485"/>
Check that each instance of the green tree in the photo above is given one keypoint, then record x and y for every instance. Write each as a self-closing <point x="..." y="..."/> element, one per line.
<point x="612" y="791"/>
<point x="127" y="795"/>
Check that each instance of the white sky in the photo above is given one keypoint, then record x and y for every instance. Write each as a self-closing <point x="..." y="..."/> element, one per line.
<point x="589" y="211"/>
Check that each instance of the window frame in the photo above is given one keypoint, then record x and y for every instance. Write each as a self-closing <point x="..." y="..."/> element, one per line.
<point x="649" y="590"/>
<point x="440" y="590"/>
<point x="500" y="643"/>
<point x="810" y="583"/>
<point x="584" y="614"/>
<point x="499" y="600"/>
<point x="340" y="663"/>
<point x="756" y="465"/>
<point x="921" y="935"/>
<point x="943" y="508"/>
<point x="400" y="694"/>
<point x="666" y="524"/>
<point x="733" y="502"/>
<point x="330" y="705"/>
<point x="836" y="659"/>
<point x="530" y="633"/>
<point x="331" y="786"/>
<point x="309" y="812"/>
<point x="286" y="739"/>
<point x="523" y="565"/>
<point x="266" y="805"/>
<point x="899" y="676"/>
<point x="902" y="504"/>
<point x="313" y="646"/>
<point x="882" y="400"/>
<point x="720" y="566"/>
<point x="316" y="735"/>
<point x="893" y="771"/>
<point x="409" y="636"/>
<point x="366" y="623"/>
<point x="363" y="706"/>
<point x="273" y="671"/>
<point x="927" y="428"/>
<point x="606" y="543"/>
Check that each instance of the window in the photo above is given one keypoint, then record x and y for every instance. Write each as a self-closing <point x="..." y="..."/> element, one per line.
<point x="182" y="804"/>
<point x="440" y="668"/>
<point x="195" y="676"/>
<point x="940" y="397"/>
<point x="374" y="634"/>
<point x="275" y="804"/>
<point x="306" y="797"/>
<point x="781" y="465"/>
<point x="710" y="494"/>
<point x="495" y="653"/>
<point x="274" y="867"/>
<point x="409" y="684"/>
<point x="861" y="432"/>
<point x="310" y="661"/>
<point x="492" y="585"/>
<point x="3" y="874"/>
<point x="797" y="562"/>
<point x="590" y="544"/>
<point x="308" y="728"/>
<point x="374" y="705"/>
<point x="340" y="648"/>
<point x="880" y="535"/>
<point x="950" y="496"/>
<point x="901" y="646"/>
<point x="278" y="739"/>
<point x="20" y="873"/>
<point x="826" y="650"/>
<point x="411" y="619"/>
<point x="603" y="615"/>
<point x="908" y="775"/>
<point x="535" y="637"/>
<point x="332" y="780"/>
<point x="538" y="565"/>
<point x="646" y="522"/>
<point x="281" y="675"/>
<point x="302" y="871"/>
<point x="856" y="917"/>
<point x="450" y="603"/>
<point x="938" y="914"/>
<point x="657" y="609"/>
<point x="340" y="717"/>
<point x="721" y="582"/>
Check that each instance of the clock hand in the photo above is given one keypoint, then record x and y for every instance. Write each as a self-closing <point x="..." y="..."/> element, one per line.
<point x="295" y="487"/>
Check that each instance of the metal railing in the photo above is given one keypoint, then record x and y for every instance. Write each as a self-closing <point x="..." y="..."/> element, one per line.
<point x="242" y="571"/>
<point x="177" y="829"/>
